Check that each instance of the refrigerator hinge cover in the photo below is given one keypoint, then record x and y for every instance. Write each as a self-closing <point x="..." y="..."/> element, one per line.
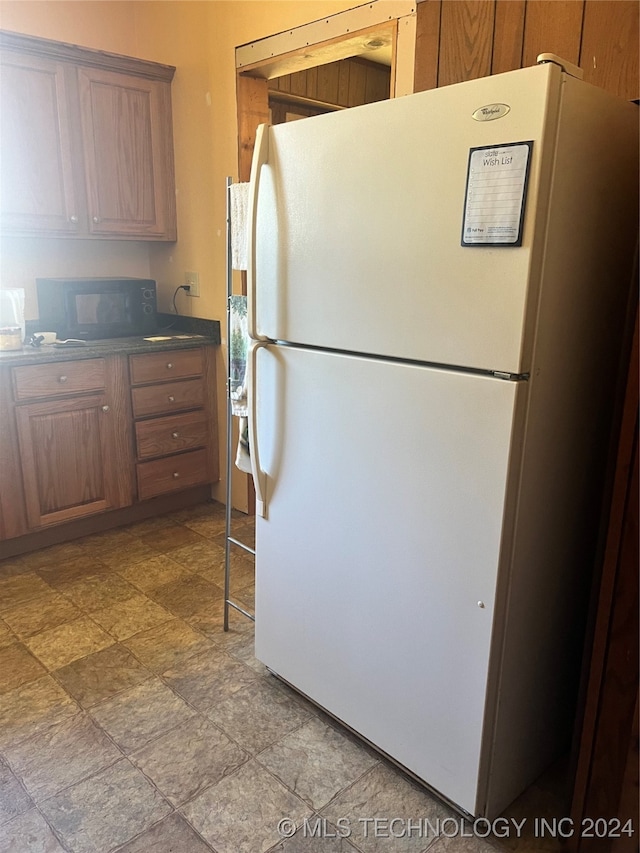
<point x="509" y="377"/>
<point x="567" y="67"/>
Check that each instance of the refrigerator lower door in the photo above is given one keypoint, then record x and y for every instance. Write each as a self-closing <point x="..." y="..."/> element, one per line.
<point x="377" y="559"/>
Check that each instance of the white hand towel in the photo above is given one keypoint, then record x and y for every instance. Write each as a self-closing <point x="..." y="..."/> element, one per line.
<point x="238" y="346"/>
<point x="238" y="199"/>
<point x="243" y="457"/>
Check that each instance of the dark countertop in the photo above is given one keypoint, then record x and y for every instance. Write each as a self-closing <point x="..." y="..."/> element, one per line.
<point x="179" y="333"/>
<point x="95" y="349"/>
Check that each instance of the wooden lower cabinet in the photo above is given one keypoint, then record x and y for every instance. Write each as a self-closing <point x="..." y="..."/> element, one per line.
<point x="73" y="448"/>
<point x="68" y="461"/>
<point x="172" y="474"/>
<point x="13" y="515"/>
<point x="175" y="420"/>
<point x="86" y="437"/>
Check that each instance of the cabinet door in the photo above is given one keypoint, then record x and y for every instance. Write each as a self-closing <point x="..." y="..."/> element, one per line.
<point x="67" y="457"/>
<point x="12" y="506"/>
<point x="36" y="165"/>
<point x="126" y="130"/>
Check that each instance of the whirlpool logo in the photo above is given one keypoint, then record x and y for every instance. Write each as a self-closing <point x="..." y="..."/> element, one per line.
<point x="490" y="112"/>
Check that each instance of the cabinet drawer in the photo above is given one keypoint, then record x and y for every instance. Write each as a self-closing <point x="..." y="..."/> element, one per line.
<point x="171" y="364"/>
<point x="172" y="473"/>
<point x="173" y="434"/>
<point x="166" y="398"/>
<point x="57" y="378"/>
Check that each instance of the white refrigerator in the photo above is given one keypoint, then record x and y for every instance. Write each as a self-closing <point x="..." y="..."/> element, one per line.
<point x="437" y="293"/>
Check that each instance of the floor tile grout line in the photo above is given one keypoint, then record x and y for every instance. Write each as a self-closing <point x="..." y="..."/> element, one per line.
<point x="87" y="778"/>
<point x="128" y="841"/>
<point x="162" y="734"/>
<point x="201" y="790"/>
<point x="57" y="720"/>
<point x="78" y="781"/>
<point x="38" y="803"/>
<point x="35" y="633"/>
<point x="82" y="657"/>
<point x="235" y="773"/>
<point x="120" y="847"/>
<point x="53" y="830"/>
<point x="282" y="782"/>
<point x="150" y="675"/>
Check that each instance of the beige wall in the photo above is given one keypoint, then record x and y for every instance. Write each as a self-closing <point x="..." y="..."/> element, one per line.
<point x="102" y="25"/>
<point x="199" y="38"/>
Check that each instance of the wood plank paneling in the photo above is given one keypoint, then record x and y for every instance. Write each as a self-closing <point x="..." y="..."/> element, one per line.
<point x="253" y="109"/>
<point x="328" y="82"/>
<point x="357" y="85"/>
<point x="377" y="83"/>
<point x="347" y="83"/>
<point x="343" y="83"/>
<point x="552" y="26"/>
<point x="298" y="83"/>
<point x="427" y="45"/>
<point x="466" y="33"/>
<point x="312" y="82"/>
<point x="609" y="53"/>
<point x="508" y="36"/>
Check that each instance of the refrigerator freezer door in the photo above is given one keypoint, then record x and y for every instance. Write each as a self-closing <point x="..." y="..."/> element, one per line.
<point x="377" y="560"/>
<point x="359" y="223"/>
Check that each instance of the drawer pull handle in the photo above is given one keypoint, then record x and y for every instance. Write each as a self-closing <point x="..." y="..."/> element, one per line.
<point x="175" y="475"/>
<point x="96" y="219"/>
<point x="73" y="219"/>
<point x="105" y="408"/>
<point x="175" y="435"/>
<point x="62" y="379"/>
<point x="171" y="398"/>
<point x="169" y="365"/>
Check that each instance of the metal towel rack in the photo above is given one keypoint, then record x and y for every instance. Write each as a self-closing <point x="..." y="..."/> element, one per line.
<point x="230" y="541"/>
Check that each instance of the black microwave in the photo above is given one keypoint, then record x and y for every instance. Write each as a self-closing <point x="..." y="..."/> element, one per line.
<point x="94" y="308"/>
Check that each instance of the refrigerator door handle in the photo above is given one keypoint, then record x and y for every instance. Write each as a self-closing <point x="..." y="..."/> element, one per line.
<point x="260" y="155"/>
<point x="258" y="474"/>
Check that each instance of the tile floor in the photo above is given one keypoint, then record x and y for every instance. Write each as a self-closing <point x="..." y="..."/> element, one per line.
<point x="130" y="721"/>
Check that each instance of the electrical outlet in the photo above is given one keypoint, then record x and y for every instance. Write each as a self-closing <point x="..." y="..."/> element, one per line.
<point x="192" y="279"/>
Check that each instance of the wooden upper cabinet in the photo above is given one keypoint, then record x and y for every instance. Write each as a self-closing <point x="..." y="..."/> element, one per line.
<point x="87" y="142"/>
<point x="38" y="186"/>
<point x="128" y="157"/>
